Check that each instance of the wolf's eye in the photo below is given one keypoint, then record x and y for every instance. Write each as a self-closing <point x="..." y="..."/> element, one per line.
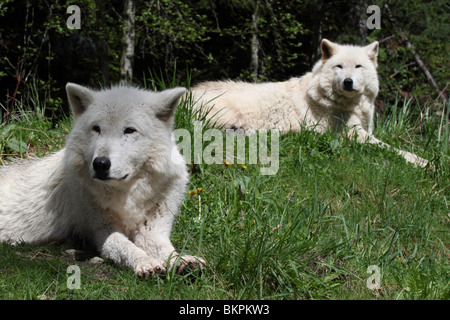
<point x="339" y="66"/>
<point x="96" y="129"/>
<point x="129" y="130"/>
<point x="358" y="66"/>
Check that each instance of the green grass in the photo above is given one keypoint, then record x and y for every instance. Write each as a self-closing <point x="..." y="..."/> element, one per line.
<point x="310" y="231"/>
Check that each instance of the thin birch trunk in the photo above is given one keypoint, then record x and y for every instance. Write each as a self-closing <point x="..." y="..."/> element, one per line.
<point x="254" y="47"/>
<point x="126" y="62"/>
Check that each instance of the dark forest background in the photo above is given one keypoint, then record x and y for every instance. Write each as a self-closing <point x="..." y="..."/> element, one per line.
<point x="191" y="41"/>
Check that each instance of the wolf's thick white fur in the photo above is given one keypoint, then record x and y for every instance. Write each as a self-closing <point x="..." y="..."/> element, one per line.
<point x="115" y="184"/>
<point x="340" y="91"/>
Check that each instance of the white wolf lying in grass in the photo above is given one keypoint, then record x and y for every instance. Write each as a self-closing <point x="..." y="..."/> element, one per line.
<point x="340" y="91"/>
<point x="115" y="183"/>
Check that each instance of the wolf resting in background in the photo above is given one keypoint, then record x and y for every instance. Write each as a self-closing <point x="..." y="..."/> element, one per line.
<point x="115" y="184"/>
<point x="340" y="91"/>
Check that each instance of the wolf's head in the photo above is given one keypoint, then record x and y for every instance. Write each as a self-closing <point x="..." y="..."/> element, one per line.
<point x="120" y="130"/>
<point x="348" y="71"/>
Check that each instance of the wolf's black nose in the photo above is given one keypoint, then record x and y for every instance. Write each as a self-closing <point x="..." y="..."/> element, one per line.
<point x="348" y="84"/>
<point x="101" y="166"/>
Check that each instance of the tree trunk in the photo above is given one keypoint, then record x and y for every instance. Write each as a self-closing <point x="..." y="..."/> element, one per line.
<point x="126" y="62"/>
<point x="254" y="46"/>
<point x="102" y="52"/>
<point x="317" y="32"/>
<point x="360" y="8"/>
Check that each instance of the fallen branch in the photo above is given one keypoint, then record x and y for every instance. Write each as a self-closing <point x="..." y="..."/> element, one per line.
<point x="402" y="67"/>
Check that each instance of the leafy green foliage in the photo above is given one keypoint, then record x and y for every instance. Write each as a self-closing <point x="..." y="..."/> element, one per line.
<point x="212" y="39"/>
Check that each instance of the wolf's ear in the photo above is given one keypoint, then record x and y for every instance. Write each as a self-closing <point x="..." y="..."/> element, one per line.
<point x="328" y="49"/>
<point x="79" y="98"/>
<point x="168" y="104"/>
<point x="372" y="52"/>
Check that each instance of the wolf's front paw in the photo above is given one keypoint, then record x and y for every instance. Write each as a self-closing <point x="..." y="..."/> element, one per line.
<point x="147" y="266"/>
<point x="187" y="262"/>
<point x="421" y="162"/>
<point x="415" y="160"/>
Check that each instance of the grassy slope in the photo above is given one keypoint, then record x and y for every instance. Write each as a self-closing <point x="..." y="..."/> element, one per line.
<point x="333" y="209"/>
